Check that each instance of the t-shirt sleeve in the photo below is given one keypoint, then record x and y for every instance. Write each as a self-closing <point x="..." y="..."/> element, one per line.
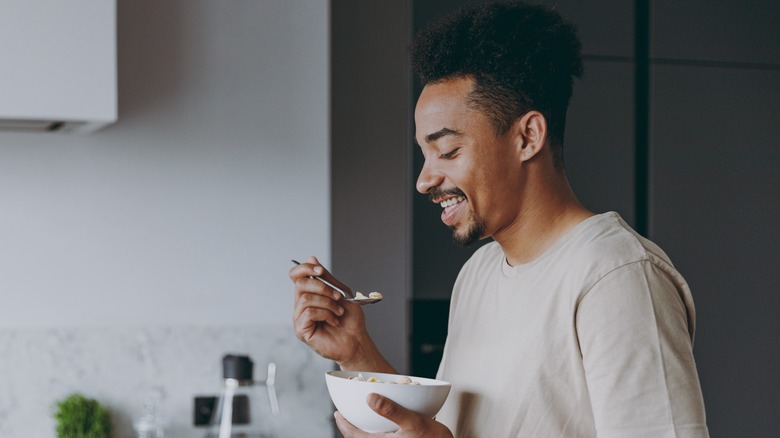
<point x="632" y="326"/>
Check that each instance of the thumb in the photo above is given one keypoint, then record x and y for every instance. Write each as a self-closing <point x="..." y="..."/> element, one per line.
<point x="388" y="409"/>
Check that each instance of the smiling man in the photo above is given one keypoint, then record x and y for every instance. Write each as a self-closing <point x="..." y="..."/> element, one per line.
<point x="569" y="324"/>
<point x="491" y="181"/>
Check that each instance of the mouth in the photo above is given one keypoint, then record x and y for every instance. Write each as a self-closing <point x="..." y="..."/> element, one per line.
<point x="452" y="207"/>
<point x="449" y="202"/>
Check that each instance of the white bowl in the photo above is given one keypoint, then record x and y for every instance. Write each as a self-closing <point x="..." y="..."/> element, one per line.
<point x="349" y="396"/>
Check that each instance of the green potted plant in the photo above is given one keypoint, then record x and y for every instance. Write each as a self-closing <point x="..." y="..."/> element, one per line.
<point x="81" y="417"/>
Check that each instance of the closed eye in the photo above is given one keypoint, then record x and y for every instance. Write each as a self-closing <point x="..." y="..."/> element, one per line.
<point x="449" y="154"/>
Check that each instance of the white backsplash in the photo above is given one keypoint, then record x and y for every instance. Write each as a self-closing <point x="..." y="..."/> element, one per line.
<point x="124" y="367"/>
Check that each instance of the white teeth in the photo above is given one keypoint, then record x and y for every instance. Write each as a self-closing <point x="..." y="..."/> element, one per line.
<point x="451" y="201"/>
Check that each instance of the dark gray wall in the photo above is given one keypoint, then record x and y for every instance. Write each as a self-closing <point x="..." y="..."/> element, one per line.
<point x="713" y="89"/>
<point x="715" y="98"/>
<point x="370" y="167"/>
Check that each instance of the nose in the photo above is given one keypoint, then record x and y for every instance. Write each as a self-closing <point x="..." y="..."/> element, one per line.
<point x="428" y="178"/>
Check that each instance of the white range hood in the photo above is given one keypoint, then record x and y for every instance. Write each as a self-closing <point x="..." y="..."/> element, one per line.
<point x="57" y="65"/>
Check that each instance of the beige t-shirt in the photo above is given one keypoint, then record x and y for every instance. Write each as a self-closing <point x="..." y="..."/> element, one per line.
<point x="593" y="338"/>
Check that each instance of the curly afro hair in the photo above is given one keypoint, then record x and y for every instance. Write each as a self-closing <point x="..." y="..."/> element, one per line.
<point x="522" y="57"/>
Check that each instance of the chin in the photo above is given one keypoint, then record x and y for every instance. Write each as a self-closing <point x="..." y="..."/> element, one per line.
<point x="474" y="234"/>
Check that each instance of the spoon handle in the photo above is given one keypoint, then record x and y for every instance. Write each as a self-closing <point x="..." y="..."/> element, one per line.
<point x="338" y="289"/>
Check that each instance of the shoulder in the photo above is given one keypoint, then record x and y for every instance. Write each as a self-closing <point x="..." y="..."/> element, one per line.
<point x="606" y="242"/>
<point x="605" y="248"/>
<point x="624" y="268"/>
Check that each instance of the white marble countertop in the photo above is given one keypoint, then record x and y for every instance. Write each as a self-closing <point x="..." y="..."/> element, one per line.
<point x="124" y="367"/>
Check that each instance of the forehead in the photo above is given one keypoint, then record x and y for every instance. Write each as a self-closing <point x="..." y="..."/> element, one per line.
<point x="442" y="104"/>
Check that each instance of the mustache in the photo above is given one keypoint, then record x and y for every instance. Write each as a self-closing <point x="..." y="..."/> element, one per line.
<point x="439" y="193"/>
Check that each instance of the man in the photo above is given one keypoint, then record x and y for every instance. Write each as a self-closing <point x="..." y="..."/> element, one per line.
<point x="569" y="324"/>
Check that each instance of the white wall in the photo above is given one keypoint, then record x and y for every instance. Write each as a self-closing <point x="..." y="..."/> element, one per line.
<point x="189" y="208"/>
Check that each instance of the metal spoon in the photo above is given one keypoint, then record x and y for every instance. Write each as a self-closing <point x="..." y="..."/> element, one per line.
<point x="346" y="296"/>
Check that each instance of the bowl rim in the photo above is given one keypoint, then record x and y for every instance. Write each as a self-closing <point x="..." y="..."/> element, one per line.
<point x="386" y="378"/>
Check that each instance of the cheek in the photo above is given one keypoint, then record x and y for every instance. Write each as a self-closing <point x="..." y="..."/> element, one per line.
<point x="494" y="188"/>
<point x="479" y="190"/>
<point x="483" y="178"/>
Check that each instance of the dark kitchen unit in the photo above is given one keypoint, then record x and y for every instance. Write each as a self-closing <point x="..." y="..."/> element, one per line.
<point x="428" y="333"/>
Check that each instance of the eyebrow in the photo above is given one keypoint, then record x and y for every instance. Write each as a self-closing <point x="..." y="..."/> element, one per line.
<point x="441" y="133"/>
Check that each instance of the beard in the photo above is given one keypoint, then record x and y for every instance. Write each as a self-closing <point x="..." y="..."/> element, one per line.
<point x="474" y="232"/>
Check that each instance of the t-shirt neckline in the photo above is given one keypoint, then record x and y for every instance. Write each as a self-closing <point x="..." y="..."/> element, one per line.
<point x="513" y="271"/>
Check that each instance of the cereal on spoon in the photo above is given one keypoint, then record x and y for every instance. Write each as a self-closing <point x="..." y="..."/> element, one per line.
<point x="371" y="296"/>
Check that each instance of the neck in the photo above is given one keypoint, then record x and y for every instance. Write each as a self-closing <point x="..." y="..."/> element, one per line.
<point x="548" y="211"/>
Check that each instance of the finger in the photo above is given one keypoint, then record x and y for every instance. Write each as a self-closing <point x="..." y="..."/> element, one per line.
<point x="346" y="428"/>
<point x="316" y="301"/>
<point x="323" y="299"/>
<point x="306" y="324"/>
<point x="394" y="412"/>
<point x="317" y="270"/>
<point x="305" y="271"/>
<point x="310" y="316"/>
<point x="311" y="267"/>
<point x="310" y="285"/>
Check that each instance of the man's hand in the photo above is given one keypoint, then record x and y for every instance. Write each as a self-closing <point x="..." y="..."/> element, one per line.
<point x="412" y="424"/>
<point x="329" y="325"/>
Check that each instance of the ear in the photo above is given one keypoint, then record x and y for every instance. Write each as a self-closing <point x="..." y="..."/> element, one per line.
<point x="531" y="133"/>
